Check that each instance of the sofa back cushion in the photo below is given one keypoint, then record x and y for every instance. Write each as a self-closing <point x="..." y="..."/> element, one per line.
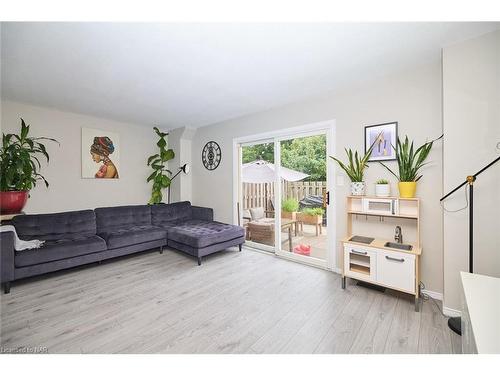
<point x="111" y="218"/>
<point x="162" y="213"/>
<point x="57" y="226"/>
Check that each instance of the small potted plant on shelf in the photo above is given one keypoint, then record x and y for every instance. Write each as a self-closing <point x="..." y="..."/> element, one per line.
<point x="410" y="160"/>
<point x="289" y="208"/>
<point x="19" y="168"/>
<point x="382" y="188"/>
<point x="355" y="169"/>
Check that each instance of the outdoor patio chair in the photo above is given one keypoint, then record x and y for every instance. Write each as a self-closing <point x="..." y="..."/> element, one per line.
<point x="257" y="213"/>
<point x="263" y="232"/>
<point x="254" y="214"/>
<point x="247" y="217"/>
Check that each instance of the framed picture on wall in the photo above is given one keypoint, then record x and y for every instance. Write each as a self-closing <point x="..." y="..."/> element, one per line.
<point x="385" y="137"/>
<point x="100" y="154"/>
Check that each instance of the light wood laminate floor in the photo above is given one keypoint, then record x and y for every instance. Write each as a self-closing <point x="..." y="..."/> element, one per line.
<point x="235" y="302"/>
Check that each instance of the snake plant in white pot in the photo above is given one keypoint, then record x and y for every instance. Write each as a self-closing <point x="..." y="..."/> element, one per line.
<point x="355" y="169"/>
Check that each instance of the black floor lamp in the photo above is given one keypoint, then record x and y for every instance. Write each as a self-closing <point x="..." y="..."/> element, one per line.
<point x="185" y="169"/>
<point x="455" y="323"/>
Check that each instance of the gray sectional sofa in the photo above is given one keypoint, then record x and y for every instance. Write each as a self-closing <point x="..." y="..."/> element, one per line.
<point x="81" y="237"/>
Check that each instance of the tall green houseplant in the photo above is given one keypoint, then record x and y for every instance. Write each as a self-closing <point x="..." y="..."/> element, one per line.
<point x="160" y="176"/>
<point x="20" y="167"/>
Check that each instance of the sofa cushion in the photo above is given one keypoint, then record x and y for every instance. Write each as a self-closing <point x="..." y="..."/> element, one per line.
<point x="52" y="227"/>
<point x="201" y="233"/>
<point x="167" y="225"/>
<point x="132" y="235"/>
<point x="163" y="213"/>
<point x="113" y="218"/>
<point x="65" y="248"/>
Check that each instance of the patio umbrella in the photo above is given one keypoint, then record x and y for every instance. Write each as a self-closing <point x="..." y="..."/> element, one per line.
<point x="261" y="171"/>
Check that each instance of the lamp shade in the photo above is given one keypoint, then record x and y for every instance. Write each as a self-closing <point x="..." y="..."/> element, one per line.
<point x="186" y="168"/>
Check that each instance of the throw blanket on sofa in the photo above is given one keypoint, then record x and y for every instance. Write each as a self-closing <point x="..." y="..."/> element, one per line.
<point x="19" y="244"/>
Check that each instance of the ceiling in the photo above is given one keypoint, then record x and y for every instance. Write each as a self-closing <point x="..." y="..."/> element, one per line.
<point x="193" y="75"/>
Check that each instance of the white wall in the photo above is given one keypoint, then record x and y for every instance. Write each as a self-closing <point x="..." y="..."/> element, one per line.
<point x="180" y="141"/>
<point x="67" y="190"/>
<point x="471" y="109"/>
<point x="411" y="98"/>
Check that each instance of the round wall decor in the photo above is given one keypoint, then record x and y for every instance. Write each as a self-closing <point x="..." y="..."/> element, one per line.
<point x="211" y="155"/>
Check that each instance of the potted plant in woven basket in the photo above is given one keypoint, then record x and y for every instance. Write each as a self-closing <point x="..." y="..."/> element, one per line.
<point x="312" y="216"/>
<point x="20" y="168"/>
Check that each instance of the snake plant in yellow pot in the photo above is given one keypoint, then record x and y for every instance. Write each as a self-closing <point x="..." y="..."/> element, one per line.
<point x="410" y="161"/>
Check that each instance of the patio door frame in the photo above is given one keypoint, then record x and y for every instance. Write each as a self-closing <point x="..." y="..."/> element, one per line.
<point x="327" y="128"/>
<point x="239" y="153"/>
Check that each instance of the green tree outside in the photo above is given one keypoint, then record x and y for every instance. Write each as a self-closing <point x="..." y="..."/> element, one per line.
<point x="265" y="151"/>
<point x="307" y="155"/>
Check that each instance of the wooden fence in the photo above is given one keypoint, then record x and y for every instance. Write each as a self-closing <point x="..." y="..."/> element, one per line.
<point x="260" y="195"/>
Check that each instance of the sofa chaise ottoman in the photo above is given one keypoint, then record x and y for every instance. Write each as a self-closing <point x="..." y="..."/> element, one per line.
<point x="192" y="230"/>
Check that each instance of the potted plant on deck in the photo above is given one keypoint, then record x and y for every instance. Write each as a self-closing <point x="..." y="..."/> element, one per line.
<point x="312" y="216"/>
<point x="410" y="160"/>
<point x="289" y="208"/>
<point x="19" y="168"/>
<point x="355" y="169"/>
<point x="382" y="188"/>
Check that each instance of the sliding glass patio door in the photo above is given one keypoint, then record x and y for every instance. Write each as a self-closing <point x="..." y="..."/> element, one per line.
<point x="257" y="194"/>
<point x="303" y="197"/>
<point x="284" y="195"/>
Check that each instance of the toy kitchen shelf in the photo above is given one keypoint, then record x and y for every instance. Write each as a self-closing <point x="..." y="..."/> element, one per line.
<point x="379" y="261"/>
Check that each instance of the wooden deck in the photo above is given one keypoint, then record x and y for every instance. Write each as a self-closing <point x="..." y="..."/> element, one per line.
<point x="307" y="237"/>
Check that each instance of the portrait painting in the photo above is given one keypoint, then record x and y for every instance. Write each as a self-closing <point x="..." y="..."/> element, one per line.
<point x="100" y="154"/>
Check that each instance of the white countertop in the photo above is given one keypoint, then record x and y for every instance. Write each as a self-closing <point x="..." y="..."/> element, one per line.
<point x="482" y="295"/>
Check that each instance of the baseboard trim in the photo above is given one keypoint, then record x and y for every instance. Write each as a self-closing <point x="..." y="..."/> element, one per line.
<point x="451" y="312"/>
<point x="435" y="295"/>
